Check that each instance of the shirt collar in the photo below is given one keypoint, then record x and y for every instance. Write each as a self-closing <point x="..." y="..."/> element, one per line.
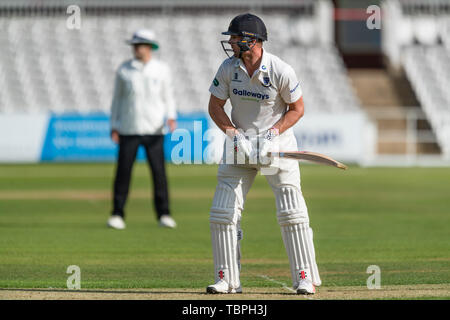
<point x="264" y="62"/>
<point x="238" y="62"/>
<point x="135" y="63"/>
<point x="263" y="75"/>
<point x="263" y="67"/>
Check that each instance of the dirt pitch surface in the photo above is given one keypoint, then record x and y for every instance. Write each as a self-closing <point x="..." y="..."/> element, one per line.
<point x="441" y="291"/>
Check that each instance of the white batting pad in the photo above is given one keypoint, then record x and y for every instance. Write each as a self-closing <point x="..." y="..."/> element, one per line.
<point x="298" y="240"/>
<point x="240" y="235"/>
<point x="227" y="204"/>
<point x="225" y="215"/>
<point x="226" y="253"/>
<point x="291" y="206"/>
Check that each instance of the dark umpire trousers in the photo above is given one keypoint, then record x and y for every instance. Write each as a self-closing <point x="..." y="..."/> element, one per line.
<point x="128" y="147"/>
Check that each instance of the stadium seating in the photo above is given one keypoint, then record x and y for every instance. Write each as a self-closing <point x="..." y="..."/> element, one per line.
<point x="416" y="38"/>
<point x="45" y="66"/>
<point x="430" y="80"/>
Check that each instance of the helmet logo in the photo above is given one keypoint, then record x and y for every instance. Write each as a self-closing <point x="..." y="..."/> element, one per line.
<point x="248" y="34"/>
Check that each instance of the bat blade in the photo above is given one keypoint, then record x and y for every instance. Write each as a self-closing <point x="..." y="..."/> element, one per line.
<point x="309" y="156"/>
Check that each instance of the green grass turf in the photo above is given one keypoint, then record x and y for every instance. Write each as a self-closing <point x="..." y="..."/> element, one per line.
<point x="396" y="218"/>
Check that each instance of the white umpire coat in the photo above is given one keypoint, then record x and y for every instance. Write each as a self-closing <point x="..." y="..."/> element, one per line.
<point x="143" y="98"/>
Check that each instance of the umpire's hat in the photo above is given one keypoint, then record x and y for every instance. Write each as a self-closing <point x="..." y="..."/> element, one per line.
<point x="144" y="36"/>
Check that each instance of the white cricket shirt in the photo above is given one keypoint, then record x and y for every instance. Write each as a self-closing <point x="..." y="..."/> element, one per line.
<point x="143" y="98"/>
<point x="260" y="101"/>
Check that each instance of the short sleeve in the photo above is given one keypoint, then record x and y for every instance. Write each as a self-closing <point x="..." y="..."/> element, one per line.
<point x="290" y="87"/>
<point x="220" y="84"/>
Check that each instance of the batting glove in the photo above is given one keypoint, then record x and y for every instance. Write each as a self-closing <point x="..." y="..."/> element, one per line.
<point x="267" y="144"/>
<point x="242" y="146"/>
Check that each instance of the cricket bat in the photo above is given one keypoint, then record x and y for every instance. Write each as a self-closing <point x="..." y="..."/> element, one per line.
<point x="310" y="156"/>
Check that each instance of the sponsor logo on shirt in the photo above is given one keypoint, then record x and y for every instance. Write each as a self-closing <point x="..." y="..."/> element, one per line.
<point x="245" y="93"/>
<point x="215" y="82"/>
<point x="295" y="88"/>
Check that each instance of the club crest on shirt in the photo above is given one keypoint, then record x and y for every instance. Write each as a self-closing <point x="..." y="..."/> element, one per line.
<point x="266" y="82"/>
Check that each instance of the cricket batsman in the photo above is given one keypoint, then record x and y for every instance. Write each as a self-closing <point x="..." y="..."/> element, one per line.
<point x="266" y="100"/>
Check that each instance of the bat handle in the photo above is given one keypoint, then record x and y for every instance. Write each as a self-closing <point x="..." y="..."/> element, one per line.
<point x="274" y="154"/>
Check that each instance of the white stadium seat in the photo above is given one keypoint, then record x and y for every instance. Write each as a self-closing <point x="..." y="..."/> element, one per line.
<point x="405" y="31"/>
<point x="430" y="80"/>
<point x="425" y="29"/>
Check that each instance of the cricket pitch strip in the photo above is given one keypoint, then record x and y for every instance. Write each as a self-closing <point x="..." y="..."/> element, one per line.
<point x="418" y="291"/>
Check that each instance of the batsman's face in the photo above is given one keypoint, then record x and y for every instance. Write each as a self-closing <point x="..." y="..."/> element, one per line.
<point x="233" y="43"/>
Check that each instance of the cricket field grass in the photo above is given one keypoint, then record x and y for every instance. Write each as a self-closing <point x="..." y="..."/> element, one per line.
<point x="53" y="216"/>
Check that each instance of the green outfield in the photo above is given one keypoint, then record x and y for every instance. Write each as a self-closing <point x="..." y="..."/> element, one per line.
<point x="54" y="215"/>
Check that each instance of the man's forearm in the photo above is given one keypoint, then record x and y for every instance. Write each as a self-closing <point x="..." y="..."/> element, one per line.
<point x="289" y="119"/>
<point x="221" y="119"/>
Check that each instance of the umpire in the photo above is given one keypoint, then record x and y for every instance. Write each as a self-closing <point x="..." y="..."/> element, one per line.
<point x="142" y="99"/>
